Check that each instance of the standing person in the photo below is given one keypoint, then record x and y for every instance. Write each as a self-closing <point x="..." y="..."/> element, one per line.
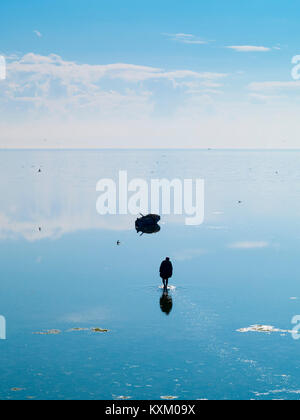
<point x="166" y="272"/>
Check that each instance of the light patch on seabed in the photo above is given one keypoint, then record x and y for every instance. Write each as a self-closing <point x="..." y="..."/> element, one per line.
<point x="169" y="287"/>
<point x="2" y="328"/>
<point x="263" y="329"/>
<point x="276" y="391"/>
<point x="98" y="314"/>
<point x="250" y="362"/>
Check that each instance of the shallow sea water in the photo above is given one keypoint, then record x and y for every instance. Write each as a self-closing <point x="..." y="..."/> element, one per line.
<point x="62" y="269"/>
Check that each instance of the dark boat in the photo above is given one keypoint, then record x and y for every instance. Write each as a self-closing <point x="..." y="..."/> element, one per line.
<point x="148" y="224"/>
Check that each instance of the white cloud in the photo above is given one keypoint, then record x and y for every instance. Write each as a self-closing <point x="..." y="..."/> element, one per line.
<point x="53" y="65"/>
<point x="38" y="33"/>
<point x="186" y="38"/>
<point x="249" y="48"/>
<point x="249" y="245"/>
<point x="198" y="87"/>
<point x="128" y="105"/>
<point x="260" y="86"/>
<point x="261" y="98"/>
<point x="50" y="85"/>
<point x="56" y="227"/>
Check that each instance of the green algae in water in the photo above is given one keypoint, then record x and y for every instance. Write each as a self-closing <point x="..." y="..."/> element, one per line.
<point x="95" y="330"/>
<point x="56" y="332"/>
<point x="48" y="332"/>
<point x="78" y="329"/>
<point x="99" y="330"/>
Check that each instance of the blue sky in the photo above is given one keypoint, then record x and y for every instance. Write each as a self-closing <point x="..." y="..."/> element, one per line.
<point x="236" y="57"/>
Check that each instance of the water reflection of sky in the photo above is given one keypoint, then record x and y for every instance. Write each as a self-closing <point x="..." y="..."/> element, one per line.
<point x="237" y="269"/>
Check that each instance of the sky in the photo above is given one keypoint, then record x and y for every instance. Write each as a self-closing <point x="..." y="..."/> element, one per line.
<point x="139" y="74"/>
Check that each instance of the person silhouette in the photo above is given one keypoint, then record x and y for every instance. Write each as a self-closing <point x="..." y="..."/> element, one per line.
<point x="166" y="272"/>
<point x="166" y="303"/>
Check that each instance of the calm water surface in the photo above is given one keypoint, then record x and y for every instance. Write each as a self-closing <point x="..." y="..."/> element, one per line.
<point x="61" y="269"/>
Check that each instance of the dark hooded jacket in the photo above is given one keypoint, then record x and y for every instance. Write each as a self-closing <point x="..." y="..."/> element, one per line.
<point x="166" y="269"/>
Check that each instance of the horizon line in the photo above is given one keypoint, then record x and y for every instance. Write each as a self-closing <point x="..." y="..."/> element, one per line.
<point x="207" y="149"/>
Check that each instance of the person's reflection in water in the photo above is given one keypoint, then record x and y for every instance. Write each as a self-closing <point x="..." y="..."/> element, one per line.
<point x="166" y="303"/>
